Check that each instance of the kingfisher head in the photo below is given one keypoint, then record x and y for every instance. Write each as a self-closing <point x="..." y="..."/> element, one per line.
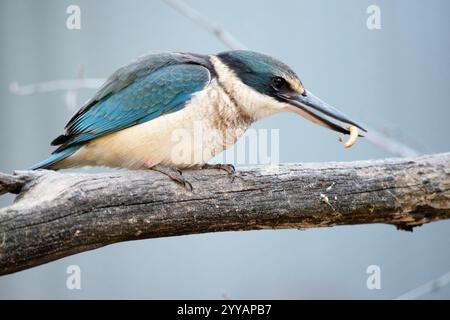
<point x="266" y="86"/>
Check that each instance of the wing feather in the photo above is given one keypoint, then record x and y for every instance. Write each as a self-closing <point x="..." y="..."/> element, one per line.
<point x="118" y="106"/>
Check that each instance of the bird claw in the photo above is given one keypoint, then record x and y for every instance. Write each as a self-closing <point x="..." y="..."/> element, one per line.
<point x="184" y="183"/>
<point x="175" y="175"/>
<point x="229" y="168"/>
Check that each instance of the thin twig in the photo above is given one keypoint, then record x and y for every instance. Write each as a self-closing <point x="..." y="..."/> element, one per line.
<point x="389" y="144"/>
<point x="55" y="85"/>
<point x="427" y="288"/>
<point x="227" y="38"/>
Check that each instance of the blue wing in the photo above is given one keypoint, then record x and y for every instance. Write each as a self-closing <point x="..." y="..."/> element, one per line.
<point x="144" y="90"/>
<point x="163" y="91"/>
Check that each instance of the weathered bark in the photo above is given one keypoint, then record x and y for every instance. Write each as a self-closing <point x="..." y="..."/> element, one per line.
<point x="57" y="214"/>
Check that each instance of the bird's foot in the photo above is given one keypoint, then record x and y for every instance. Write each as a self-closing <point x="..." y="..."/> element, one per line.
<point x="229" y="168"/>
<point x="174" y="174"/>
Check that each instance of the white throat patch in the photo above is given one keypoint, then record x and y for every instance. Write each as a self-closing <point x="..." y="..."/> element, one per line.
<point x="255" y="104"/>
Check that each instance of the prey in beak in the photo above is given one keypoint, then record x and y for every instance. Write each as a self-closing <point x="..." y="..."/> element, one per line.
<point x="314" y="109"/>
<point x="306" y="104"/>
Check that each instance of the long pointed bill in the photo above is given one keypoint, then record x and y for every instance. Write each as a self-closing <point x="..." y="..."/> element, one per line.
<point x="319" y="112"/>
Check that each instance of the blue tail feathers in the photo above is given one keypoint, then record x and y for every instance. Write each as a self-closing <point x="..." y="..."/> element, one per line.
<point x="54" y="158"/>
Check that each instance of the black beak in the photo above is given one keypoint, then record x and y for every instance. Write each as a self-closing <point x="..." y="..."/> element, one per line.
<point x="319" y="112"/>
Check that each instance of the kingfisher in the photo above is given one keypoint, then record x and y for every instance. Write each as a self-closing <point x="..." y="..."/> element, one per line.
<point x="174" y="111"/>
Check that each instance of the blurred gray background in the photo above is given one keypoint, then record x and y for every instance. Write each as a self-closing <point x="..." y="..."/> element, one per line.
<point x="395" y="79"/>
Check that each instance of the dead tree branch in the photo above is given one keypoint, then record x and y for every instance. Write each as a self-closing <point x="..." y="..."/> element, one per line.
<point x="57" y="214"/>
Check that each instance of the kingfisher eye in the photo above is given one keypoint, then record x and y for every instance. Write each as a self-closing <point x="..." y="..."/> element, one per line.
<point x="278" y="83"/>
